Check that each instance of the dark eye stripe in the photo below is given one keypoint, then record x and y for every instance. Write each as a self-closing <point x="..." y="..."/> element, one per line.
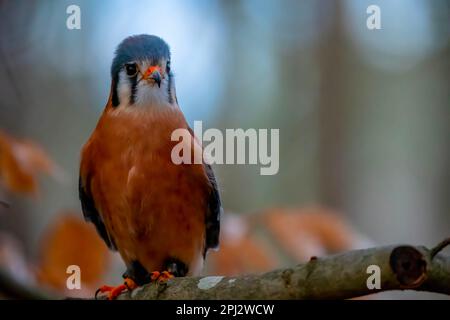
<point x="115" y="97"/>
<point x="133" y="82"/>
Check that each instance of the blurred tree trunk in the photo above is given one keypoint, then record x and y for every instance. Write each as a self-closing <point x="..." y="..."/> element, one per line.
<point x="332" y="108"/>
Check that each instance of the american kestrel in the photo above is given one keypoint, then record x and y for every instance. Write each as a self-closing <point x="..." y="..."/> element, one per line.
<point x="161" y="217"/>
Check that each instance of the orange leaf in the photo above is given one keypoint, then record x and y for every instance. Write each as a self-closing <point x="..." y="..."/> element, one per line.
<point x="71" y="241"/>
<point x="277" y="237"/>
<point x="306" y="232"/>
<point x="20" y="163"/>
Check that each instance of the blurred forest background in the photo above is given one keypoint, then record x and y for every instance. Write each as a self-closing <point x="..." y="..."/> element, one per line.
<point x="364" y="115"/>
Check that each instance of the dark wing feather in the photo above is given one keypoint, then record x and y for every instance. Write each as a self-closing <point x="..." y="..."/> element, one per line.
<point x="91" y="214"/>
<point x="214" y="211"/>
<point x="212" y="218"/>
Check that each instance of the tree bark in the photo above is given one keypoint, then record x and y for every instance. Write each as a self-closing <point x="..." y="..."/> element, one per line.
<point x="338" y="276"/>
<point x="341" y="276"/>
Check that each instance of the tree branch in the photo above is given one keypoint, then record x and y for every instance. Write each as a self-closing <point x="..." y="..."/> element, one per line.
<point x="338" y="276"/>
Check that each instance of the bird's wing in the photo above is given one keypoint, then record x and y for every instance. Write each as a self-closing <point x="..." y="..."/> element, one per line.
<point x="213" y="213"/>
<point x="214" y="210"/>
<point x="90" y="212"/>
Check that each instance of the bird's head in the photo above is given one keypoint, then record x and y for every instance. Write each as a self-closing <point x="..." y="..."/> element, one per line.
<point x="141" y="74"/>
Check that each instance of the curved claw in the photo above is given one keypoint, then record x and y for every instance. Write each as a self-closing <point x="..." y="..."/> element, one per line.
<point x="102" y="289"/>
<point x="96" y="293"/>
<point x="114" y="292"/>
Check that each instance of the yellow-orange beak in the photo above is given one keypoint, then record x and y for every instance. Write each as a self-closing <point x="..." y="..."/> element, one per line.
<point x="153" y="72"/>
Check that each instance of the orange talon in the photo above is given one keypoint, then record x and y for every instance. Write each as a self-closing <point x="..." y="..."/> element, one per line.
<point x="130" y="284"/>
<point x="160" y="277"/>
<point x="103" y="289"/>
<point x="114" y="292"/>
<point x="165" y="276"/>
<point x="155" y="276"/>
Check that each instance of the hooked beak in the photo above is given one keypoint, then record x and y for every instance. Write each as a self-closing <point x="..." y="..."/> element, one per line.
<point x="154" y="73"/>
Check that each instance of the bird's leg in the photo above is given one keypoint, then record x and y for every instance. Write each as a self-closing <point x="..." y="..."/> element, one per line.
<point x="136" y="271"/>
<point x="114" y="292"/>
<point x="129" y="284"/>
<point x="173" y="268"/>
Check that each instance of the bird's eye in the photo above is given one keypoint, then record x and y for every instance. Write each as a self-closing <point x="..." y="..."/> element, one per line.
<point x="168" y="66"/>
<point x="131" y="69"/>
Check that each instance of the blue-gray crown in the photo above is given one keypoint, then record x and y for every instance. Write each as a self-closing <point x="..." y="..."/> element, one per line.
<point x="139" y="47"/>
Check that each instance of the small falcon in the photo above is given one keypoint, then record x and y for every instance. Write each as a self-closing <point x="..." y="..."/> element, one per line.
<point x="161" y="217"/>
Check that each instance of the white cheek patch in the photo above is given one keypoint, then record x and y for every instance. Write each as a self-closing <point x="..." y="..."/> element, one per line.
<point x="124" y="89"/>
